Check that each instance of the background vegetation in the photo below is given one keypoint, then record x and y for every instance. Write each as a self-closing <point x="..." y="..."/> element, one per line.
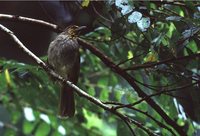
<point x="156" y="43"/>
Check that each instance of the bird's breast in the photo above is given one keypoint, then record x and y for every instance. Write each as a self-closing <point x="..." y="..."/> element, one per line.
<point x="63" y="52"/>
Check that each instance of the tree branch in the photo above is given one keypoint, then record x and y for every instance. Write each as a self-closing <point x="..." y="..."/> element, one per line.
<point x="106" y="60"/>
<point x="155" y="94"/>
<point x="122" y="73"/>
<point x="15" y="18"/>
<point x="145" y="113"/>
<point x="170" y="60"/>
<point x="79" y="91"/>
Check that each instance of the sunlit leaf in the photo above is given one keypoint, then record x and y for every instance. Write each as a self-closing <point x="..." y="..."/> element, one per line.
<point x="28" y="127"/>
<point x="173" y="18"/>
<point x="190" y="32"/>
<point x="40" y="129"/>
<point x="130" y="55"/>
<point x="134" y="17"/>
<point x="151" y="57"/>
<point x="172" y="28"/>
<point x="124" y="6"/>
<point x="198" y="8"/>
<point x="7" y="76"/>
<point x="144" y="23"/>
<point x="126" y="9"/>
<point x="85" y="3"/>
<point x="196" y="15"/>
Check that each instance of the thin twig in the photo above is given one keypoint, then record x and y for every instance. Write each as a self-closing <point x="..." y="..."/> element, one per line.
<point x="170" y="60"/>
<point x="76" y="89"/>
<point x="145" y="113"/>
<point x="15" y="18"/>
<point x="155" y="94"/>
<point x="107" y="61"/>
<point x="134" y="57"/>
<point x="130" y="80"/>
<point x="95" y="10"/>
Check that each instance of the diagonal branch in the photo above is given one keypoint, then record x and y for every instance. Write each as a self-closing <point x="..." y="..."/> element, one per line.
<point x="79" y="91"/>
<point x="123" y="74"/>
<point x="15" y="18"/>
<point x="155" y="94"/>
<point x="107" y="61"/>
<point x="170" y="60"/>
<point x="143" y="112"/>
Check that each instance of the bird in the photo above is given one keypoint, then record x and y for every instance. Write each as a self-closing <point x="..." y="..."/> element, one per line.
<point x="64" y="57"/>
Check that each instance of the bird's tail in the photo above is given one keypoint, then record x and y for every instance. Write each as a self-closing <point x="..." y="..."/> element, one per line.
<point x="67" y="103"/>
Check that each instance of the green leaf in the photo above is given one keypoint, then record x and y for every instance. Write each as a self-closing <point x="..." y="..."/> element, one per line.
<point x="130" y="55"/>
<point x="172" y="28"/>
<point x="103" y="81"/>
<point x="43" y="129"/>
<point x="104" y="94"/>
<point x="151" y="57"/>
<point x="91" y="91"/>
<point x="28" y="127"/>
<point x="122" y="130"/>
<point x="85" y="3"/>
<point x="10" y="132"/>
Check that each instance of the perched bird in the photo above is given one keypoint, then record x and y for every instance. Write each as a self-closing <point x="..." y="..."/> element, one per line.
<point x="64" y="57"/>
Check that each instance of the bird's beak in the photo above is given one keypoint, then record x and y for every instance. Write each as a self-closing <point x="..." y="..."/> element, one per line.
<point x="80" y="28"/>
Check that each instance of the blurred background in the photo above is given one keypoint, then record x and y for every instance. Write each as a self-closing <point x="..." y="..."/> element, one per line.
<point x="34" y="37"/>
<point x="131" y="34"/>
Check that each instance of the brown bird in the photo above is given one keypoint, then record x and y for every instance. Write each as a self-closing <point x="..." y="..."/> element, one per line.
<point x="64" y="57"/>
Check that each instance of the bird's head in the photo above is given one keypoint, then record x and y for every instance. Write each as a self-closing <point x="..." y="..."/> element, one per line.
<point x="74" y="30"/>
